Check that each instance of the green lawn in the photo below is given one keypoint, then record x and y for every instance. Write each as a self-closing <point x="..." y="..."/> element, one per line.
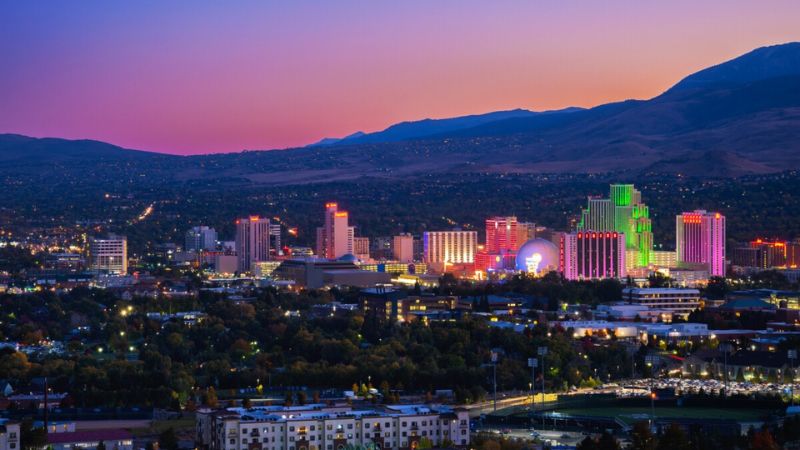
<point x="633" y="414"/>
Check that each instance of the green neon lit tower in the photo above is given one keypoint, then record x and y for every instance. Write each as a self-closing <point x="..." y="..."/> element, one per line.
<point x="622" y="212"/>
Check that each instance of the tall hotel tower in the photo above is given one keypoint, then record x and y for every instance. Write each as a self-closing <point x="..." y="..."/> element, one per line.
<point x="252" y="242"/>
<point x="623" y="212"/>
<point x="335" y="238"/>
<point x="700" y="239"/>
<point x="501" y="235"/>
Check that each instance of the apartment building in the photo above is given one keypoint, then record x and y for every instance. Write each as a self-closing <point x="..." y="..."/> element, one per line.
<point x="320" y="427"/>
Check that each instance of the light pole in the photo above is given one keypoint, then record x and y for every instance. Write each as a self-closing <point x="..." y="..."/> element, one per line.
<point x="725" y="348"/>
<point x="542" y="352"/>
<point x="650" y="360"/>
<point x="494" y="378"/>
<point x="532" y="363"/>
<point x="792" y="355"/>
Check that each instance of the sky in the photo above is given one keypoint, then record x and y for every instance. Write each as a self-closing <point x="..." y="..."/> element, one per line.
<point x="202" y="76"/>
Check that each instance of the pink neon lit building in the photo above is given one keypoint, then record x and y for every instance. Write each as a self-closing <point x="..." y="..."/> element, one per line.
<point x="592" y="254"/>
<point x="700" y="239"/>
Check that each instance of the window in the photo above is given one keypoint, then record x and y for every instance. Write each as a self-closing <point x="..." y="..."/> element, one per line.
<point x="366" y="425"/>
<point x="233" y="441"/>
<point x="387" y="424"/>
<point x="349" y="426"/>
<point x="244" y="430"/>
<point x="404" y="435"/>
<point x="265" y="439"/>
<point x="291" y="428"/>
<point x="244" y="441"/>
<point x="313" y="438"/>
<point x="329" y="427"/>
<point x="313" y="427"/>
<point x="405" y="424"/>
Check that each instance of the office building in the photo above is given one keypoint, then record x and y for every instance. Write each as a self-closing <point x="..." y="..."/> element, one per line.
<point x="623" y="212"/>
<point x="403" y="248"/>
<point x="252" y="241"/>
<point x="679" y="302"/>
<point x="765" y="254"/>
<point x="700" y="239"/>
<point x="501" y="235"/>
<point x="320" y="427"/>
<point x="525" y="232"/>
<point x="592" y="254"/>
<point x="275" y="246"/>
<point x="200" y="238"/>
<point x="109" y="255"/>
<point x="335" y="238"/>
<point x="450" y="247"/>
<point x="664" y="259"/>
<point x="361" y="248"/>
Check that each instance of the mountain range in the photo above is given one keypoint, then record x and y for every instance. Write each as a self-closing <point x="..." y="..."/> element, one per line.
<point x="739" y="117"/>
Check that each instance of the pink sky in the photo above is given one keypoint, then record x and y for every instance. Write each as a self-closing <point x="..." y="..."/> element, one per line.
<point x="204" y="76"/>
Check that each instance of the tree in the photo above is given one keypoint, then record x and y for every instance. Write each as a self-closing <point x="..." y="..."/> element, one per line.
<point x="289" y="399"/>
<point x="101" y="445"/>
<point x="168" y="440"/>
<point x="301" y="398"/>
<point x="674" y="438"/>
<point x="32" y="438"/>
<point x="607" y="442"/>
<point x="425" y="443"/>
<point x="247" y="403"/>
<point x="210" y="397"/>
<point x="588" y="443"/>
<point x="641" y="437"/>
<point x="763" y="440"/>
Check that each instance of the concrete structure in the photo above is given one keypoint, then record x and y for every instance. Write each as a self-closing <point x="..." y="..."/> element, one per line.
<point x="391" y="305"/>
<point x="592" y="254"/>
<point x="226" y="263"/>
<point x="677" y="301"/>
<point x="403" y="248"/>
<point x="525" y="232"/>
<point x="700" y="239"/>
<point x="252" y="241"/>
<point x="319" y="427"/>
<point x="664" y="259"/>
<point x="275" y="245"/>
<point x="9" y="435"/>
<point x="450" y="247"/>
<point x="335" y="237"/>
<point x="109" y="255"/>
<point x="200" y="238"/>
<point x="113" y="439"/>
<point x="361" y="248"/>
<point x="623" y="212"/>
<point x="315" y="273"/>
<point x="501" y="235"/>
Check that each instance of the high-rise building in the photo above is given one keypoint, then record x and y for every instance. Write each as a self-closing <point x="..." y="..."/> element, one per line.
<point x="361" y="248"/>
<point x="501" y="235"/>
<point x="700" y="239"/>
<point x="252" y="241"/>
<point x="109" y="255"/>
<point x="201" y="238"/>
<point x="525" y="232"/>
<point x="403" y="248"/>
<point x="623" y="212"/>
<point x="450" y="247"/>
<point x="335" y="237"/>
<point x="765" y="254"/>
<point x="275" y="238"/>
<point x="592" y="254"/>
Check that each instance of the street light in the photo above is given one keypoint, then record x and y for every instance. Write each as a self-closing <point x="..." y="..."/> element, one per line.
<point x="494" y="378"/>
<point x="532" y="363"/>
<point x="542" y="352"/>
<point x="726" y="348"/>
<point x="792" y="355"/>
<point x="651" y="360"/>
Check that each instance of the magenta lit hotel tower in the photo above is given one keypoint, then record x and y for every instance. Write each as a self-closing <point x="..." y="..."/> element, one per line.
<point x="589" y="254"/>
<point x="700" y="239"/>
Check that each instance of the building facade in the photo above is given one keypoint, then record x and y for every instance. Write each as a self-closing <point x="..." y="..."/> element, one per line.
<point x="335" y="238"/>
<point x="450" y="247"/>
<point x="109" y="255"/>
<point x="679" y="302"/>
<point x="252" y="241"/>
<point x="9" y="435"/>
<point x="200" y="238"/>
<point x="361" y="248"/>
<point x="592" y="255"/>
<point x="501" y="235"/>
<point x="623" y="212"/>
<point x="317" y="427"/>
<point x="700" y="239"/>
<point x="403" y="248"/>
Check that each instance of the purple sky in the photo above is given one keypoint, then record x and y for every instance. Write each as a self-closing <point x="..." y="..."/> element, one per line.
<point x="210" y="76"/>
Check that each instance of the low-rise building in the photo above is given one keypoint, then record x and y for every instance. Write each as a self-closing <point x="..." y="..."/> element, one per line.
<point x="9" y="435"/>
<point x="679" y="302"/>
<point x="320" y="427"/>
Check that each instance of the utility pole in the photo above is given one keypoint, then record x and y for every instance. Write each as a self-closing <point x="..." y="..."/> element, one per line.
<point x="725" y="347"/>
<point x="650" y="360"/>
<point x="542" y="352"/>
<point x="792" y="354"/>
<point x="494" y="378"/>
<point x="532" y="363"/>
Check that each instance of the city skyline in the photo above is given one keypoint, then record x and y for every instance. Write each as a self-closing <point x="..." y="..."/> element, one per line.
<point x="226" y="78"/>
